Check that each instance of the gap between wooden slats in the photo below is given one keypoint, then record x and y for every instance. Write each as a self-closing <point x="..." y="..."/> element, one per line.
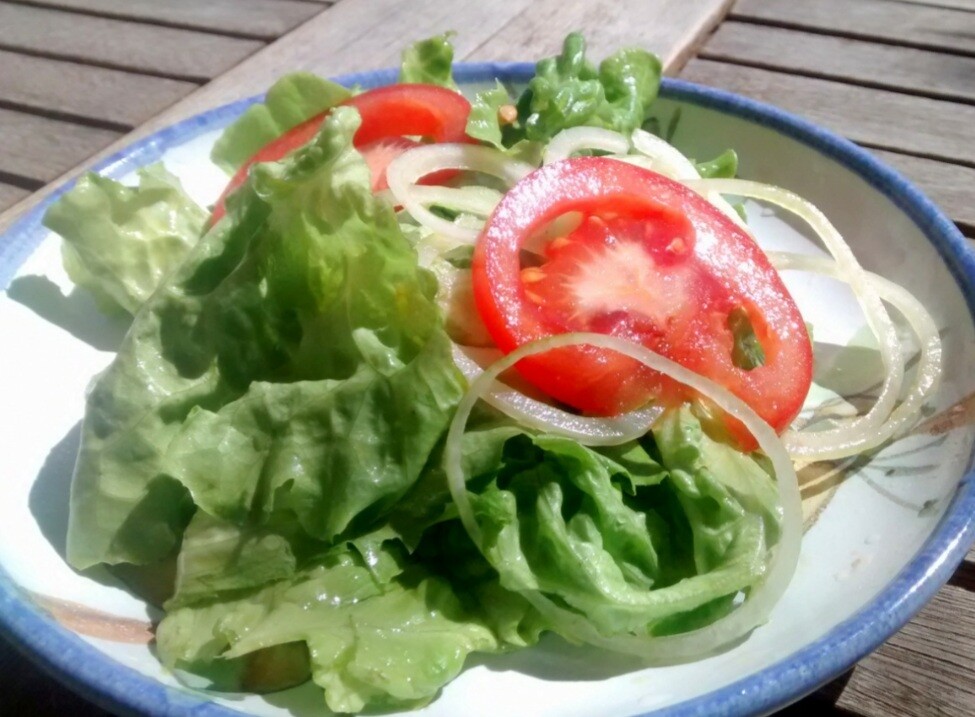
<point x="163" y="51"/>
<point x="112" y="99"/>
<point x="256" y="19"/>
<point x="907" y="24"/>
<point x="40" y="148"/>
<point x="10" y="195"/>
<point x="901" y="69"/>
<point x="888" y="120"/>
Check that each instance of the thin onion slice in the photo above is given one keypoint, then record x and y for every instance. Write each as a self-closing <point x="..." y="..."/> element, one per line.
<point x="821" y="445"/>
<point x="672" y="648"/>
<point x="405" y="171"/>
<point x="587" y="430"/>
<point x="575" y="139"/>
<point x="928" y="370"/>
<point x="666" y="159"/>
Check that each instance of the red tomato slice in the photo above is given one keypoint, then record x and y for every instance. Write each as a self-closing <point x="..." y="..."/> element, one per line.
<point x="388" y="114"/>
<point x="651" y="261"/>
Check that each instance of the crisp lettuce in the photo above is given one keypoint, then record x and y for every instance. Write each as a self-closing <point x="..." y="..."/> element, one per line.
<point x="569" y="91"/>
<point x="120" y="242"/>
<point x="374" y="644"/>
<point x="290" y="101"/>
<point x="297" y="350"/>
<point x="429" y="61"/>
<point x="639" y="541"/>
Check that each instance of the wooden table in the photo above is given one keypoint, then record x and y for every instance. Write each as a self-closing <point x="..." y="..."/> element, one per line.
<point x="82" y="78"/>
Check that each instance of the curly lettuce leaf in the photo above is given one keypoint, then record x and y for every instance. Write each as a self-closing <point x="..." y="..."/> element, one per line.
<point x="568" y="91"/>
<point x="120" y="242"/>
<point x="371" y="644"/>
<point x="724" y="166"/>
<point x="429" y="61"/>
<point x="300" y="335"/>
<point x="484" y="122"/>
<point x="294" y="98"/>
<point x="649" y="539"/>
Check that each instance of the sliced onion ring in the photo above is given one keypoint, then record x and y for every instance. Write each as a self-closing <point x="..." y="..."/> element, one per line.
<point x="572" y="140"/>
<point x="589" y="431"/>
<point x="820" y="445"/>
<point x="405" y="171"/>
<point x="928" y="369"/>
<point x="672" y="648"/>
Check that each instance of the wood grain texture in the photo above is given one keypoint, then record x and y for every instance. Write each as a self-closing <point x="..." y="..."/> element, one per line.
<point x="181" y="54"/>
<point x="40" y="148"/>
<point x="968" y="5"/>
<point x="925" y="670"/>
<point x="671" y="28"/>
<point x="878" y="118"/>
<point x="924" y="72"/>
<point x="261" y="19"/>
<point x="61" y="88"/>
<point x="909" y="24"/>
<point x="9" y="195"/>
<point x="370" y="33"/>
<point x="950" y="186"/>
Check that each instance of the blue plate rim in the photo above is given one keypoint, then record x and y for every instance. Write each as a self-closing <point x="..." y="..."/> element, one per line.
<point x="114" y="686"/>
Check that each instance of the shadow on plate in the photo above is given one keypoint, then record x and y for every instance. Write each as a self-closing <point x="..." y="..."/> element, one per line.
<point x="50" y="494"/>
<point x="557" y="660"/>
<point x="76" y="313"/>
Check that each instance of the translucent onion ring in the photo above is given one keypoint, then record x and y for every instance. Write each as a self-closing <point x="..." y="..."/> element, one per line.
<point x="568" y="141"/>
<point x="589" y="431"/>
<point x="820" y="445"/>
<point x="672" y="648"/>
<point x="928" y="369"/>
<point x="405" y="171"/>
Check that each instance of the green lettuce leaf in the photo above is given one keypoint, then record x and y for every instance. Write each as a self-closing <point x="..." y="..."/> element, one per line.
<point x="724" y="166"/>
<point x="568" y="91"/>
<point x="295" y="363"/>
<point x="291" y="100"/>
<point x="484" y="122"/>
<point x="381" y="645"/>
<point x="647" y="539"/>
<point x="429" y="61"/>
<point x="120" y="242"/>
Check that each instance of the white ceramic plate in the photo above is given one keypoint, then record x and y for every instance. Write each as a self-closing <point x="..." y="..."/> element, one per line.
<point x="890" y="536"/>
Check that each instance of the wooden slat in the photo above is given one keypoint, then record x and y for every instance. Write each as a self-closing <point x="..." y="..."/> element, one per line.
<point x="262" y="19"/>
<point x="968" y="5"/>
<point x="888" y="120"/>
<point x="925" y="669"/>
<point x="182" y="54"/>
<point x="950" y="186"/>
<point x="670" y="28"/>
<point x="368" y="34"/>
<point x="9" y="194"/>
<point x="865" y="63"/>
<point x="41" y="149"/>
<point x="68" y="89"/>
<point x="908" y="24"/>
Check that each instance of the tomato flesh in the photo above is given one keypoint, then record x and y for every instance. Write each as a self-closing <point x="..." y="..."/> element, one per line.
<point x="389" y="115"/>
<point x="650" y="261"/>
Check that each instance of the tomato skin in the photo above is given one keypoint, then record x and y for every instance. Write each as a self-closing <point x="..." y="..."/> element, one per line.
<point x="387" y="113"/>
<point x="714" y="267"/>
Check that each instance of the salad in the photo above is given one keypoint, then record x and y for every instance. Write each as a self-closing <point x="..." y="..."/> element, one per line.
<point x="436" y="376"/>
